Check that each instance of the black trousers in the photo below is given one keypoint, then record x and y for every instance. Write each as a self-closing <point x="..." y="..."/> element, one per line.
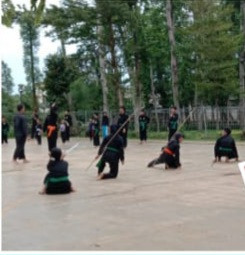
<point x="33" y="130"/>
<point x="68" y="133"/>
<point x="4" y="138"/>
<point x="39" y="139"/>
<point x="113" y="168"/>
<point x="143" y="135"/>
<point x="171" y="133"/>
<point x="52" y="140"/>
<point x="165" y="158"/>
<point x="19" y="152"/>
<point x="125" y="138"/>
<point x="63" y="137"/>
<point x="96" y="140"/>
<point x="229" y="155"/>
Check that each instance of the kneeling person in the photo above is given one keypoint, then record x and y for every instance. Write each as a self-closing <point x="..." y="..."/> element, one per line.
<point x="225" y="147"/>
<point x="112" y="154"/>
<point x="56" y="181"/>
<point x="170" y="154"/>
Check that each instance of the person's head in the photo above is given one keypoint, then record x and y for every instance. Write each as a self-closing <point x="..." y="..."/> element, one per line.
<point x="226" y="131"/>
<point x="62" y="121"/>
<point x="56" y="154"/>
<point x="95" y="115"/>
<point x="53" y="108"/>
<point x="142" y="112"/>
<point x="104" y="113"/>
<point x="67" y="112"/>
<point x="113" y="129"/>
<point x="179" y="137"/>
<point x="3" y="119"/>
<point x="35" y="110"/>
<point x="122" y="110"/>
<point x="38" y="121"/>
<point x="173" y="109"/>
<point x="20" y="108"/>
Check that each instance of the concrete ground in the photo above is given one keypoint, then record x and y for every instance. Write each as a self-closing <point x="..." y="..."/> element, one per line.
<point x="197" y="208"/>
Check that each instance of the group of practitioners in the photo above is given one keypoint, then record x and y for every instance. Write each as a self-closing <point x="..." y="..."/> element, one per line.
<point x="111" y="150"/>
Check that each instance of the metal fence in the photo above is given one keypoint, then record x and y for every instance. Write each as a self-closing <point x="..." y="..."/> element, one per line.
<point x="199" y="118"/>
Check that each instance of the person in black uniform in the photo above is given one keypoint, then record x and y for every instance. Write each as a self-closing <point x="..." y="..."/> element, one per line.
<point x="5" y="130"/>
<point x="143" y="122"/>
<point x="112" y="154"/>
<point x="96" y="130"/>
<point x="57" y="181"/>
<point x="173" y="122"/>
<point x="50" y="126"/>
<point x="170" y="154"/>
<point x="225" y="147"/>
<point x="68" y="120"/>
<point x="20" y="133"/>
<point x="34" y="123"/>
<point x="105" y="125"/>
<point x="38" y="133"/>
<point x="123" y="117"/>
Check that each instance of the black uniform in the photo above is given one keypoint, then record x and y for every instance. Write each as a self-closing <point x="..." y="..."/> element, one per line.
<point x="39" y="133"/>
<point x="33" y="126"/>
<point x="96" y="132"/>
<point x="20" y="132"/>
<point x="143" y="122"/>
<point x="5" y="130"/>
<point x="225" y="147"/>
<point x="56" y="181"/>
<point x="112" y="155"/>
<point x="172" y="125"/>
<point x="50" y="126"/>
<point x="170" y="155"/>
<point x="121" y="120"/>
<point x="68" y="119"/>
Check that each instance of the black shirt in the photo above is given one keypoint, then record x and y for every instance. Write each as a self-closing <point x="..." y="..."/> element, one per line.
<point x="51" y="120"/>
<point x="173" y="122"/>
<point x="143" y="122"/>
<point x="226" y="143"/>
<point x="121" y="120"/>
<point x="68" y="118"/>
<point x="105" y="121"/>
<point x="5" y="128"/>
<point x="20" y="125"/>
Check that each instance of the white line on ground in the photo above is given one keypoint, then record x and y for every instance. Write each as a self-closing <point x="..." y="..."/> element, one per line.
<point x="73" y="147"/>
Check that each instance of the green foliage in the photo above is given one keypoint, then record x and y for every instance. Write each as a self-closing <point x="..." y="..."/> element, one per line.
<point x="7" y="79"/>
<point x="8" y="12"/>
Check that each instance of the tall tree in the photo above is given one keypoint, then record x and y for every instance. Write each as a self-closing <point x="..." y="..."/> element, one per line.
<point x="7" y="79"/>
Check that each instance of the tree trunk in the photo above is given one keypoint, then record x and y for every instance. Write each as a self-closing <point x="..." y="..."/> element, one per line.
<point x="154" y="98"/>
<point x="114" y="65"/>
<point x="242" y="68"/>
<point x="102" y="68"/>
<point x="174" y="66"/>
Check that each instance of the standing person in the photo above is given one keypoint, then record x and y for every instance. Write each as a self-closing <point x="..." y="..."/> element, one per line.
<point x="143" y="122"/>
<point x="89" y="131"/>
<point x="68" y="120"/>
<point x="123" y="117"/>
<point x="96" y="130"/>
<point x="170" y="154"/>
<point x="50" y="126"/>
<point x="173" y="122"/>
<point x="57" y="180"/>
<point x="20" y="133"/>
<point x="5" y="130"/>
<point x="63" y="132"/>
<point x="113" y="153"/>
<point x="225" y="147"/>
<point x="38" y="133"/>
<point x="34" y="123"/>
<point x="105" y="125"/>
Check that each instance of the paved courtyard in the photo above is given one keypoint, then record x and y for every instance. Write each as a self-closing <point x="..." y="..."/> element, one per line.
<point x="196" y="208"/>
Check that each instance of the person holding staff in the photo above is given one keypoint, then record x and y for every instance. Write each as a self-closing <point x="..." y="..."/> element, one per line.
<point x="173" y="122"/>
<point x="121" y="121"/>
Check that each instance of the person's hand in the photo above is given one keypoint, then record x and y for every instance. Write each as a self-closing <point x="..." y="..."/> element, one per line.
<point x="122" y="162"/>
<point x="124" y="131"/>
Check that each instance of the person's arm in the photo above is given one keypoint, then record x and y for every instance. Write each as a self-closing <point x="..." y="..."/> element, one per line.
<point x="121" y="151"/>
<point x="216" y="148"/>
<point x="45" y="125"/>
<point x="24" y="126"/>
<point x="102" y="146"/>
<point x="177" y="155"/>
<point x="234" y="149"/>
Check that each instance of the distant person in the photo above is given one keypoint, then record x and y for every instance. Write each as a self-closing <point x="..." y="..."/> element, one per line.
<point x="57" y="180"/>
<point x="50" y="126"/>
<point x="112" y="154"/>
<point x="170" y="154"/>
<point x="5" y="130"/>
<point x="34" y="123"/>
<point x="38" y="133"/>
<point x="89" y="132"/>
<point x="96" y="130"/>
<point x="63" y="132"/>
<point x="143" y="123"/>
<point x="105" y="125"/>
<point x="20" y="133"/>
<point x="122" y="121"/>
<point x="225" y="147"/>
<point x="173" y="122"/>
<point x="69" y="124"/>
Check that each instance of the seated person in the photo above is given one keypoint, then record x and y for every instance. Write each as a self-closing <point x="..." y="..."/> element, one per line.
<point x="170" y="154"/>
<point x="225" y="147"/>
<point x="56" y="181"/>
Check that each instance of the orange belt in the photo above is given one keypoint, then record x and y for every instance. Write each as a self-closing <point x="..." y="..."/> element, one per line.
<point x="168" y="151"/>
<point x="51" y="129"/>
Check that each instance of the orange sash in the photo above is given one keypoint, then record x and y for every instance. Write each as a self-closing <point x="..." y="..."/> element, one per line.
<point x="51" y="129"/>
<point x="168" y="151"/>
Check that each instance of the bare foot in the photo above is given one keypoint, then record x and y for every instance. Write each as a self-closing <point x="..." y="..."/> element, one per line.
<point x="26" y="161"/>
<point x="42" y="192"/>
<point x="100" y="177"/>
<point x="73" y="190"/>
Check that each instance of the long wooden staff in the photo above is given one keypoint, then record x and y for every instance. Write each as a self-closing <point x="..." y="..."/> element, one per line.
<point x="106" y="146"/>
